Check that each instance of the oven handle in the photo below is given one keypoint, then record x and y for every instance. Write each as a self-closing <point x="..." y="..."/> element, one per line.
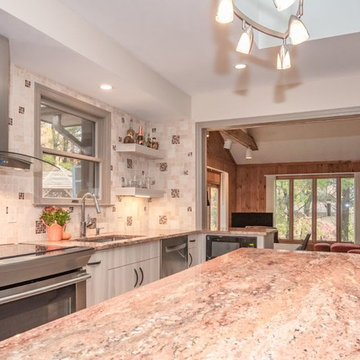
<point x="175" y="248"/>
<point x="43" y="289"/>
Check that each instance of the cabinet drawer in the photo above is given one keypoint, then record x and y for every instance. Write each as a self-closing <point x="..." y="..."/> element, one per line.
<point x="133" y="253"/>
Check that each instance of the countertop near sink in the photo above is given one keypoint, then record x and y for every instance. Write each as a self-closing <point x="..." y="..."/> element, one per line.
<point x="247" y="304"/>
<point x="153" y="235"/>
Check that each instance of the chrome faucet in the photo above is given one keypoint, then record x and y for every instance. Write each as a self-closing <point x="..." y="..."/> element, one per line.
<point x="83" y="223"/>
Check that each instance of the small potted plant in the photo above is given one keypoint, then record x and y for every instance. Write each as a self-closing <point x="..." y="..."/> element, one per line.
<point x="55" y="220"/>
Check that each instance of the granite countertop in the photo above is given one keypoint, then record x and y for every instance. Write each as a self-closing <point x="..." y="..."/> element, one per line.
<point x="151" y="235"/>
<point x="248" y="304"/>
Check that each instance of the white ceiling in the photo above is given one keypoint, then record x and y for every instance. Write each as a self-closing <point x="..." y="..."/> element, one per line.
<point x="316" y="141"/>
<point x="177" y="44"/>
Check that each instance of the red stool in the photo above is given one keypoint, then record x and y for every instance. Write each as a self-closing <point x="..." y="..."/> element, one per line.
<point x="322" y="247"/>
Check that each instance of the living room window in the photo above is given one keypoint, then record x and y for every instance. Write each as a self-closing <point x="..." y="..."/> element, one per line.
<point x="71" y="135"/>
<point x="322" y="205"/>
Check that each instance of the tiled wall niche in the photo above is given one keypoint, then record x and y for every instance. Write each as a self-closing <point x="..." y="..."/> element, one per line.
<point x="175" y="174"/>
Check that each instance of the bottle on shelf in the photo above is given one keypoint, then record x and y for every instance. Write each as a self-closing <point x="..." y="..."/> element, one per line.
<point x="130" y="134"/>
<point x="148" y="141"/>
<point x="140" y="137"/>
<point x="154" y="143"/>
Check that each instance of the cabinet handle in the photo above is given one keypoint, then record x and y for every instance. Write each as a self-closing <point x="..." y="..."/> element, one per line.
<point x="94" y="263"/>
<point x="137" y="278"/>
<point x="192" y="240"/>
<point x="142" y="276"/>
<point x="191" y="259"/>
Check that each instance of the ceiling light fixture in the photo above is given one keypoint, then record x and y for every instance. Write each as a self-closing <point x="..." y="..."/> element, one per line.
<point x="240" y="66"/>
<point x="296" y="31"/>
<point x="283" y="4"/>
<point x="248" y="154"/>
<point x="227" y="144"/>
<point x="106" y="87"/>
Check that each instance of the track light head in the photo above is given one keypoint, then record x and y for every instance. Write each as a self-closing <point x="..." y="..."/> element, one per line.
<point x="297" y="30"/>
<point x="283" y="58"/>
<point x="246" y="40"/>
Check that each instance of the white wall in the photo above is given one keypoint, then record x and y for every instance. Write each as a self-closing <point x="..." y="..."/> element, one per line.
<point x="317" y="95"/>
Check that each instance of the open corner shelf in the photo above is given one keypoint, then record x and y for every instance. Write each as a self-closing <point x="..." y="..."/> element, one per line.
<point x="142" y="150"/>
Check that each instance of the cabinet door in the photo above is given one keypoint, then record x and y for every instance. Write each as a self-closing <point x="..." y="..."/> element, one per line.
<point x="123" y="279"/>
<point x="149" y="271"/>
<point x="193" y="256"/>
<point x="96" y="286"/>
<point x="128" y="277"/>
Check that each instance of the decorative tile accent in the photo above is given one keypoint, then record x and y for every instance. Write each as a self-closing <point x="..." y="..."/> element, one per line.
<point x="190" y="154"/>
<point x="21" y="196"/>
<point x="144" y="208"/>
<point x="111" y="168"/>
<point x="189" y="209"/>
<point x="71" y="209"/>
<point x="11" y="121"/>
<point x="162" y="219"/>
<point x="40" y="227"/>
<point x="129" y="221"/>
<point x="7" y="210"/>
<point x="21" y="110"/>
<point x="186" y="172"/>
<point x="129" y="163"/>
<point x="163" y="166"/>
<point x="122" y="120"/>
<point x="175" y="193"/>
<point x="153" y="130"/>
<point x="175" y="139"/>
<point x="27" y="83"/>
<point x="114" y="209"/>
<point x="114" y="147"/>
<point x="120" y="139"/>
<point x="142" y="172"/>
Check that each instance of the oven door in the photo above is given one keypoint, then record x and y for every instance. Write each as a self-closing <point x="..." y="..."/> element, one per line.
<point x="32" y="304"/>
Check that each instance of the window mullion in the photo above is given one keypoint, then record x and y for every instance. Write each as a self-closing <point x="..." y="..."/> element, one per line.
<point x="338" y="209"/>
<point x="70" y="155"/>
<point x="291" y="209"/>
<point x="314" y="209"/>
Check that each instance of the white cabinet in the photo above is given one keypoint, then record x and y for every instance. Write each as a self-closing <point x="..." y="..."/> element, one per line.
<point x="128" y="277"/>
<point x="96" y="286"/>
<point x="196" y="246"/>
<point x="117" y="270"/>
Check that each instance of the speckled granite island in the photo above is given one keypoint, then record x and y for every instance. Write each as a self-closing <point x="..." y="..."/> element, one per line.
<point x="249" y="304"/>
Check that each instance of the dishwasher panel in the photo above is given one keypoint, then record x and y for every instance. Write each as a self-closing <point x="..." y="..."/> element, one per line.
<point x="174" y="255"/>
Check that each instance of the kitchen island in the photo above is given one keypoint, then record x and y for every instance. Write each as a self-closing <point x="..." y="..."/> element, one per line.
<point x="248" y="304"/>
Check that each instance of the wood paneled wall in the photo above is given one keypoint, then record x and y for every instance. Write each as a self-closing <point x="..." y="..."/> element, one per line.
<point x="221" y="159"/>
<point x="251" y="181"/>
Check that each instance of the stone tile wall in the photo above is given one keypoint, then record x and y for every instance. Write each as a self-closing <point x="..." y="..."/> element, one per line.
<point x="175" y="174"/>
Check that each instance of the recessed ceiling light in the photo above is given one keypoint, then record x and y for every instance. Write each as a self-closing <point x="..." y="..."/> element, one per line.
<point x="105" y="87"/>
<point x="240" y="66"/>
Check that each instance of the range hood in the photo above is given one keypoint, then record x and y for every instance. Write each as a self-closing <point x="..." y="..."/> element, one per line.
<point x="8" y="158"/>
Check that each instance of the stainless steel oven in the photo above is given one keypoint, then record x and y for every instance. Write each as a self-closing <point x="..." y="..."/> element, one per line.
<point x="174" y="255"/>
<point x="39" y="284"/>
<point x="217" y="245"/>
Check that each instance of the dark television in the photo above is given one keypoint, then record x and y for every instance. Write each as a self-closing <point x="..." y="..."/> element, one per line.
<point x="243" y="219"/>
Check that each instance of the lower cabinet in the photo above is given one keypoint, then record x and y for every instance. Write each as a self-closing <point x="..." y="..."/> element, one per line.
<point x="131" y="276"/>
<point x="117" y="270"/>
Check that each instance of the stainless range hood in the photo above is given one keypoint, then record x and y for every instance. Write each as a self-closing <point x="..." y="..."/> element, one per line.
<point x="8" y="158"/>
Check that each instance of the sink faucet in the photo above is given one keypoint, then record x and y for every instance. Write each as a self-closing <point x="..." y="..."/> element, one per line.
<point x="83" y="223"/>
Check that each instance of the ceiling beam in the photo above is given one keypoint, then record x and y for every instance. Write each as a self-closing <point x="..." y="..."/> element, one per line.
<point x="240" y="137"/>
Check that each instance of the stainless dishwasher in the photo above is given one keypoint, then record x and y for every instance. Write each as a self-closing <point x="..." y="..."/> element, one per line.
<point x="174" y="255"/>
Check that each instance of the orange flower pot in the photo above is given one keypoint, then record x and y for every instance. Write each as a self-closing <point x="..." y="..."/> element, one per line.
<point x="55" y="232"/>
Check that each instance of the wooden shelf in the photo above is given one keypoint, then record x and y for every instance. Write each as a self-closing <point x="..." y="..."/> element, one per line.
<point x="139" y="192"/>
<point x="141" y="150"/>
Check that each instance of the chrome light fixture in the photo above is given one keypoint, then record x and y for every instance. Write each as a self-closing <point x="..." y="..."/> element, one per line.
<point x="246" y="40"/>
<point x="296" y="31"/>
<point x="283" y="4"/>
<point x="225" y="13"/>
<point x="283" y="58"/>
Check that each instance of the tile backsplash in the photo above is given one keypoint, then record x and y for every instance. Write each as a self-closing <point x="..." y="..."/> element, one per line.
<point x="175" y="174"/>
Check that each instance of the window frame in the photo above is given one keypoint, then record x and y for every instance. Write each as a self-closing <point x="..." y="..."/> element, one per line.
<point x="102" y="156"/>
<point x="314" y="179"/>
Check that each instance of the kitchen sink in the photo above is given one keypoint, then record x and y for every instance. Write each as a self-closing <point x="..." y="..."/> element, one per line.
<point x="109" y="239"/>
